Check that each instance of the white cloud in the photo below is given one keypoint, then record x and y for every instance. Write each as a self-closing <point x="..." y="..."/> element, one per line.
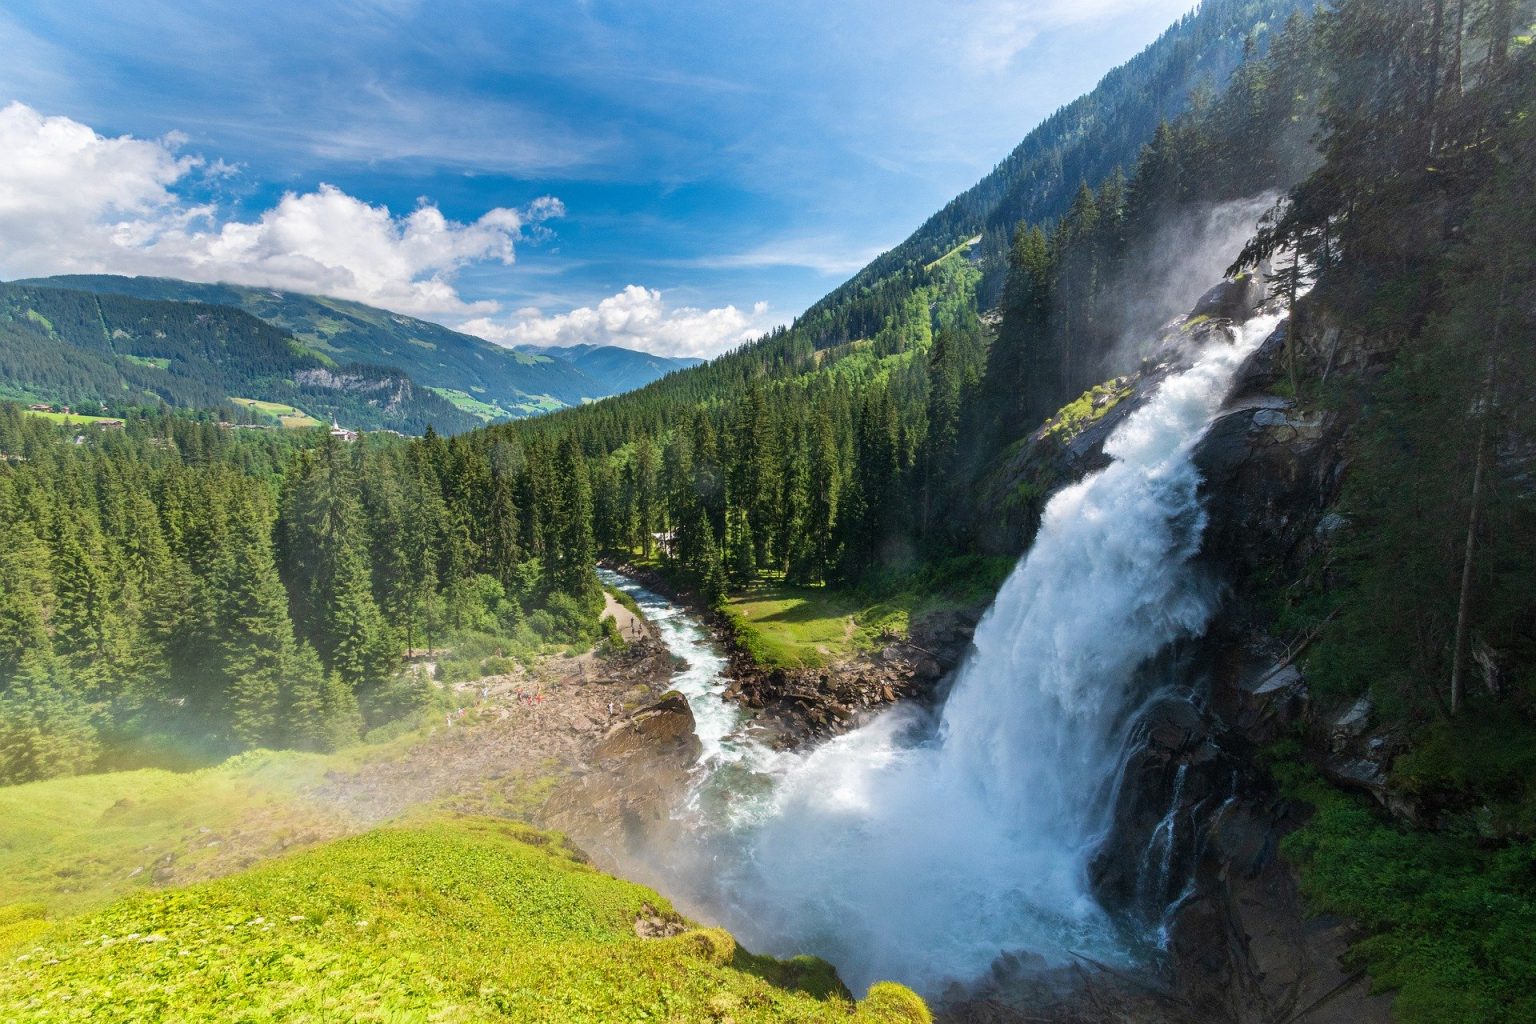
<point x="824" y="255"/>
<point x="73" y="201"/>
<point x="992" y="33"/>
<point x="636" y="318"/>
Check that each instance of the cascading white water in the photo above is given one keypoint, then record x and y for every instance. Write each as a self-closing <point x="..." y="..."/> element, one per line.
<point x="923" y="851"/>
<point x="702" y="678"/>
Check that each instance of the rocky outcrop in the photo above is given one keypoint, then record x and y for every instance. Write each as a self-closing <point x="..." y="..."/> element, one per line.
<point x="1193" y="853"/>
<point x="620" y="802"/>
<point x="385" y="390"/>
<point x="796" y="707"/>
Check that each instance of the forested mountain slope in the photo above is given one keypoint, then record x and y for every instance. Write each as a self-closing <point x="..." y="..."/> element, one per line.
<point x="173" y="587"/>
<point x="1084" y="141"/>
<point x="486" y="380"/>
<point x="83" y="349"/>
<point x="839" y="456"/>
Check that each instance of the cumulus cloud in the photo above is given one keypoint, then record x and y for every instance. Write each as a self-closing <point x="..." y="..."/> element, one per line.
<point x="73" y="201"/>
<point x="636" y="318"/>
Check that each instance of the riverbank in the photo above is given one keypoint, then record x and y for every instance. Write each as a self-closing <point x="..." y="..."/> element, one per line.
<point x="904" y="650"/>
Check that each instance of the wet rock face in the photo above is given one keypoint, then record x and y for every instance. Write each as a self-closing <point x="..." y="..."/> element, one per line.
<point x="1176" y="782"/>
<point x="1270" y="472"/>
<point x="1235" y="299"/>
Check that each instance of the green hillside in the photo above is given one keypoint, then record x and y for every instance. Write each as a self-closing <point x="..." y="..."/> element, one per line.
<point x="469" y="920"/>
<point x="80" y="348"/>
<point x="496" y="382"/>
<point x="1084" y="141"/>
<point x="1090" y="140"/>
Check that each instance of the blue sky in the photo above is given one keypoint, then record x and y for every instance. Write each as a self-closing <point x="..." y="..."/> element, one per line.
<point x="672" y="176"/>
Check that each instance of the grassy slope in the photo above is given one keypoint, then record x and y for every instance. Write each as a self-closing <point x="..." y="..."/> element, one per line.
<point x="75" y="843"/>
<point x="805" y="627"/>
<point x="467" y="920"/>
<point x="66" y="417"/>
<point x="290" y="416"/>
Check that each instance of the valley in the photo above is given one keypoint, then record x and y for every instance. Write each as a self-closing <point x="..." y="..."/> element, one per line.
<point x="1110" y="605"/>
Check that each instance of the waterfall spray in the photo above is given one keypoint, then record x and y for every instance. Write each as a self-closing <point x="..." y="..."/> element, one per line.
<point x="925" y="849"/>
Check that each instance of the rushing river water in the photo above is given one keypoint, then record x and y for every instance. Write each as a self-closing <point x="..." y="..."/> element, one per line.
<point x="923" y="848"/>
<point x="702" y="681"/>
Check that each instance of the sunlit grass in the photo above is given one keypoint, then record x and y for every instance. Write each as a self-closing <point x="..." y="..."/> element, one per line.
<point x="469" y="920"/>
<point x="78" y="842"/>
<point x="66" y="417"/>
<point x="290" y="416"/>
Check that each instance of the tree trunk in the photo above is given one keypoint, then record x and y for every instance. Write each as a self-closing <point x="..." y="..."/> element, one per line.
<point x="1456" y="55"/>
<point x="1500" y="17"/>
<point x="1474" y="514"/>
<point x="1464" y="600"/>
<point x="1292" y="328"/>
<point x="1432" y="81"/>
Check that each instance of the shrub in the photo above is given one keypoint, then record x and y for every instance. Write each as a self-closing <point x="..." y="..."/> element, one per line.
<point x="890" y="1003"/>
<point x="714" y="945"/>
<point x="1450" y="920"/>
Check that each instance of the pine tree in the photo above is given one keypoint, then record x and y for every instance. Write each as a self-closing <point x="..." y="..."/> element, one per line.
<point x="321" y="709"/>
<point x="255" y="635"/>
<point x="45" y="725"/>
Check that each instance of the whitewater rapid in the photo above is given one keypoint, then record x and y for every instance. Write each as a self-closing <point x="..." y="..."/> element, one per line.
<point x="923" y="848"/>
<point x="702" y="677"/>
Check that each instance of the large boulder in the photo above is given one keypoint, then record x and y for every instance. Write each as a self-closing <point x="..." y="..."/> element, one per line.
<point x="620" y="805"/>
<point x="1236" y="299"/>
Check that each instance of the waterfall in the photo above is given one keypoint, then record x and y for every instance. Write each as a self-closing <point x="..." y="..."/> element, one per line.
<point x="924" y="849"/>
<point x="1152" y="889"/>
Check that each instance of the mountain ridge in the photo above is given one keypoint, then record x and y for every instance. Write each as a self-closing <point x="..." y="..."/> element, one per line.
<point x="74" y="347"/>
<point x="483" y="379"/>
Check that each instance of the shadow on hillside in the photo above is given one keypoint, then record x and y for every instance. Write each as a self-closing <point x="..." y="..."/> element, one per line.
<point x="810" y="975"/>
